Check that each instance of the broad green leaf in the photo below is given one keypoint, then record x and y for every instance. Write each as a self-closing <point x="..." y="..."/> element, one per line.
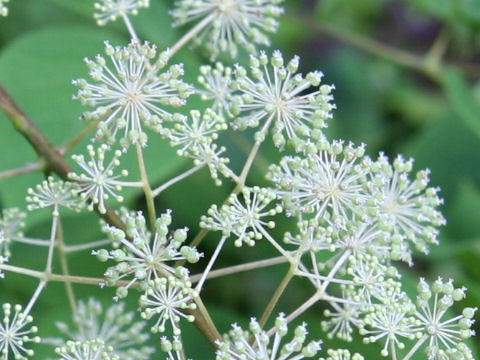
<point x="463" y="102"/>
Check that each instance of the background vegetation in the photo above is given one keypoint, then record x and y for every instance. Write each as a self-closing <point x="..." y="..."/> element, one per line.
<point x="407" y="79"/>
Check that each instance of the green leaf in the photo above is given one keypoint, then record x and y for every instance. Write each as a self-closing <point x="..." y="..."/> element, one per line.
<point x="460" y="96"/>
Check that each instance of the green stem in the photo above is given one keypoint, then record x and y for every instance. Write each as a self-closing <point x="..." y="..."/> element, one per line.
<point x="205" y="323"/>
<point x="276" y="296"/>
<point x="192" y="33"/>
<point x="65" y="269"/>
<point x="27" y="169"/>
<point x="45" y="150"/>
<point x="53" y="238"/>
<point x="176" y="179"/>
<point x="241" y="268"/>
<point x="69" y="145"/>
<point x="130" y="28"/>
<point x="149" y="198"/>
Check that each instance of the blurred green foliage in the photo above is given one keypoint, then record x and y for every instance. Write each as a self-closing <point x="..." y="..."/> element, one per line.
<point x="406" y="74"/>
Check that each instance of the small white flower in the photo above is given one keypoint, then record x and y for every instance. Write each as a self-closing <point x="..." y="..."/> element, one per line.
<point x="117" y="328"/>
<point x="15" y="333"/>
<point x="98" y="182"/>
<point x="167" y="299"/>
<point x="51" y="193"/>
<point x="330" y="182"/>
<point x="172" y="348"/>
<point x="110" y="10"/>
<point x="230" y="22"/>
<point x="86" y="350"/>
<point x="216" y="86"/>
<point x="198" y="130"/>
<point x="275" y="93"/>
<point x="144" y="259"/>
<point x="344" y="318"/>
<point x="392" y="322"/>
<point x="408" y="207"/>
<point x="244" y="220"/>
<point x="445" y="333"/>
<point x="131" y="93"/>
<point x="256" y="344"/>
<point x="342" y="354"/>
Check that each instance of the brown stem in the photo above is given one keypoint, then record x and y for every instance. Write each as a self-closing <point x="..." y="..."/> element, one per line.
<point x="43" y="147"/>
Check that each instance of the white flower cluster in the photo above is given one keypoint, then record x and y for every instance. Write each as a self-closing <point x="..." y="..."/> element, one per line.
<point x="98" y="182"/>
<point x="256" y="344"/>
<point x="86" y="350"/>
<point x="16" y="332"/>
<point x="229" y="23"/>
<point x="117" y="328"/>
<point x="132" y="92"/>
<point x="143" y="259"/>
<point x="55" y="194"/>
<point x="110" y="10"/>
<point x="244" y="219"/>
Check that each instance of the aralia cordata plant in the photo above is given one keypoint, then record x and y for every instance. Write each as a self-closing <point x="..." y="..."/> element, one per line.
<point x="353" y="216"/>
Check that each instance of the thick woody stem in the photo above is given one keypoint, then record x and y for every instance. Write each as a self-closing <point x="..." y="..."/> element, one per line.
<point x="43" y="147"/>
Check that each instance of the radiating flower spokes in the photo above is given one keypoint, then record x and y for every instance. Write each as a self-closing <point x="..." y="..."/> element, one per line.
<point x="244" y="219"/>
<point x="274" y="93"/>
<point x="110" y="10"/>
<point x="98" y="181"/>
<point x="256" y="344"/>
<point x="55" y="194"/>
<point x="329" y="183"/>
<point x="444" y="334"/>
<point x="228" y="23"/>
<point x="116" y="327"/>
<point x="167" y="299"/>
<point x="408" y="208"/>
<point x="131" y="93"/>
<point x="215" y="82"/>
<point x="143" y="258"/>
<point x="15" y="333"/>
<point x="86" y="350"/>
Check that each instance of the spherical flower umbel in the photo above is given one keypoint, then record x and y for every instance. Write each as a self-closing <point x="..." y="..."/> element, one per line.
<point x="215" y="82"/>
<point x="142" y="258"/>
<point x="444" y="334"/>
<point x="228" y="23"/>
<point x="393" y="323"/>
<point x="86" y="350"/>
<point x="116" y="327"/>
<point x="15" y="333"/>
<point x="408" y="207"/>
<point x="256" y="344"/>
<point x="198" y="130"/>
<point x="98" y="182"/>
<point x="131" y="93"/>
<point x="275" y="93"/>
<point x="110" y="10"/>
<point x="51" y="193"/>
<point x="244" y="219"/>
<point x="166" y="300"/>
<point x="331" y="180"/>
